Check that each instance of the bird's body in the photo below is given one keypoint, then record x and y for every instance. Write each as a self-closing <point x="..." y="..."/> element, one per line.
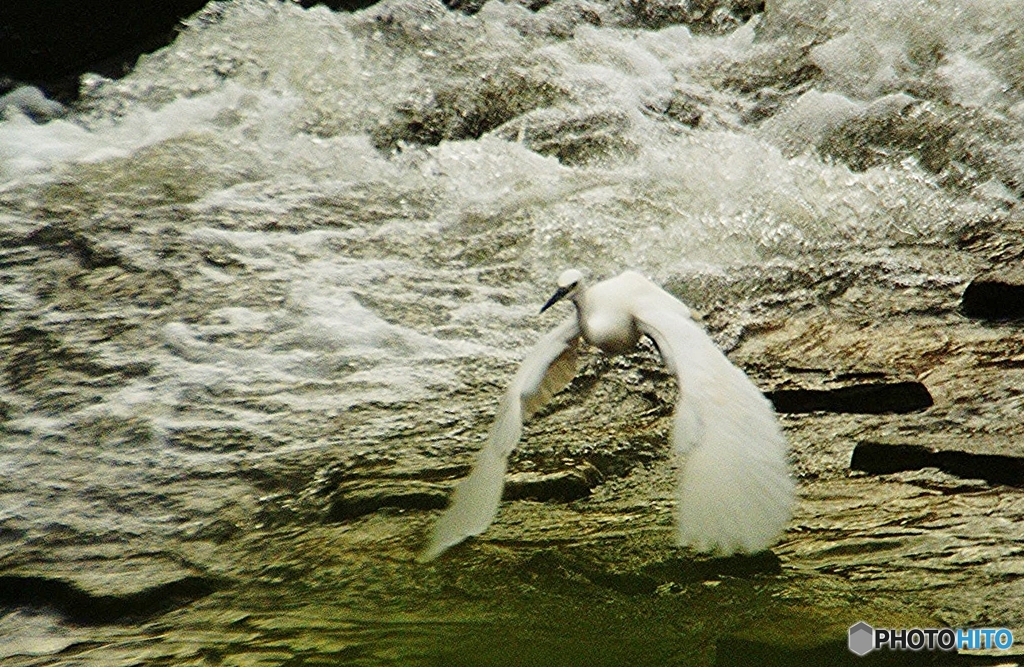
<point x="610" y="325"/>
<point x="734" y="492"/>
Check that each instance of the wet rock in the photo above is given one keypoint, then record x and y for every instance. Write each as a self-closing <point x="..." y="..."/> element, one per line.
<point x="561" y="19"/>
<point x="365" y="498"/>
<point x="29" y="633"/>
<point x="688" y="568"/>
<point x="801" y="123"/>
<point x="812" y="640"/>
<point x="665" y="576"/>
<point x="881" y="458"/>
<point x="574" y="138"/>
<point x="366" y="495"/>
<point x="468" y="109"/>
<point x="964" y="147"/>
<point x="31" y="102"/>
<point x="999" y="242"/>
<point x="937" y="480"/>
<point x="34" y="355"/>
<point x="888" y="131"/>
<point x="411" y="24"/>
<point x="998" y="295"/>
<point x="818" y="635"/>
<point x="230" y="398"/>
<point x="560" y="563"/>
<point x="63" y="238"/>
<point x="776" y="70"/>
<point x="146" y="289"/>
<point x="629" y="583"/>
<point x="80" y="605"/>
<point x="870" y="398"/>
<point x="740" y="650"/>
<point x="686" y="108"/>
<point x="705" y="16"/>
<point x="563" y="486"/>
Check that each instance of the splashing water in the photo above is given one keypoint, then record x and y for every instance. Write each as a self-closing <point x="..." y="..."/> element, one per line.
<point x="288" y="221"/>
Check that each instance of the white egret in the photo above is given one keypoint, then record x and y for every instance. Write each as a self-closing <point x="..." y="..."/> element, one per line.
<point x="734" y="492"/>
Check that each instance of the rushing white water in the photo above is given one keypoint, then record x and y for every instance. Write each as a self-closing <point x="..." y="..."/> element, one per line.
<point x="369" y="203"/>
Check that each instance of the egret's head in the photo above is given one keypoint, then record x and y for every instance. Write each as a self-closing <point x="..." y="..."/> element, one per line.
<point x="569" y="285"/>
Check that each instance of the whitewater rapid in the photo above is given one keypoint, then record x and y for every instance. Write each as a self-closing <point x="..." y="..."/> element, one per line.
<point x="296" y="237"/>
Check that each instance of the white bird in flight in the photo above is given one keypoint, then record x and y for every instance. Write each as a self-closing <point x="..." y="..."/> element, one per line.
<point x="734" y="491"/>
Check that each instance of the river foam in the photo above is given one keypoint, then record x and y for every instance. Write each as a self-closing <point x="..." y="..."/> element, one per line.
<point x="286" y="215"/>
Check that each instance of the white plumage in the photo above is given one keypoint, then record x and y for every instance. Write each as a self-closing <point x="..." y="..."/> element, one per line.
<point x="735" y="493"/>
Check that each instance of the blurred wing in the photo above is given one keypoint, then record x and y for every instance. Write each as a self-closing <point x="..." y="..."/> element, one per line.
<point x="735" y="493"/>
<point x="548" y="367"/>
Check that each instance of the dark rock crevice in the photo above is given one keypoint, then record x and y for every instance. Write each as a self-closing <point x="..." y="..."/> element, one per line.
<point x="50" y="43"/>
<point x="83" y="608"/>
<point x="354" y="502"/>
<point x="880" y="458"/>
<point x="869" y="398"/>
<point x="998" y="295"/>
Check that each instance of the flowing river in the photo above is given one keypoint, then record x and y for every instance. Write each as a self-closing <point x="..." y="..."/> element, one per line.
<point x="260" y="296"/>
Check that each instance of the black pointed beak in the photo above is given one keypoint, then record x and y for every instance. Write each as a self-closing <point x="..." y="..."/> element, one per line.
<point x="556" y="297"/>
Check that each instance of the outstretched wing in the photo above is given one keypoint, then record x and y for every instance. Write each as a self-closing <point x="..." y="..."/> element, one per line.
<point x="735" y="493"/>
<point x="548" y="367"/>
